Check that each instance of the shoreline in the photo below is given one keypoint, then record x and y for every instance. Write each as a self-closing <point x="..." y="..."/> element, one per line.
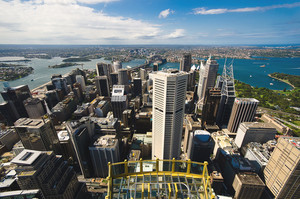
<point x="282" y="80"/>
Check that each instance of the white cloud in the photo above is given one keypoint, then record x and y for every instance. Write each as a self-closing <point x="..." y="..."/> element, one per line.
<point x="178" y="33"/>
<point x="204" y="11"/>
<point x="96" y="1"/>
<point x="165" y="13"/>
<point x="67" y="22"/>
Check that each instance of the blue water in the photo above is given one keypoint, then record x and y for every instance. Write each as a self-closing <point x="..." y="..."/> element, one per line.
<point x="250" y="72"/>
<point x="242" y="70"/>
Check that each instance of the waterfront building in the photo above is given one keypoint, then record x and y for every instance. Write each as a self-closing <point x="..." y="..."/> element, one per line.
<point x="38" y="134"/>
<point x="102" y="85"/>
<point x="186" y="62"/>
<point x="282" y="171"/>
<point x="169" y="90"/>
<point x="254" y="132"/>
<point x="243" y="110"/>
<point x="17" y="95"/>
<point x="60" y="84"/>
<point x="49" y="173"/>
<point x="34" y="108"/>
<point x="104" y="149"/>
<point x="9" y="113"/>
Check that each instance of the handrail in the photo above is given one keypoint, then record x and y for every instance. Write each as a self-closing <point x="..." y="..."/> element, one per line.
<point x="160" y="170"/>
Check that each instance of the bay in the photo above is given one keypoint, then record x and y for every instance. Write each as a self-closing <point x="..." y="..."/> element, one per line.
<point x="245" y="70"/>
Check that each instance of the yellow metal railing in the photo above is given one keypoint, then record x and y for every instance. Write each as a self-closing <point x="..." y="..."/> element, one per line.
<point x="160" y="167"/>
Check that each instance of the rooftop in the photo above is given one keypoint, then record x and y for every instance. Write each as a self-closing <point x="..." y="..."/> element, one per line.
<point x="258" y="125"/>
<point x="27" y="122"/>
<point x="294" y="140"/>
<point x="250" y="179"/>
<point x="26" y="157"/>
<point x="107" y="141"/>
<point x="240" y="100"/>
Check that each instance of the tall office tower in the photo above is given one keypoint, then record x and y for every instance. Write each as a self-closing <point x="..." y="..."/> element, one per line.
<point x="80" y="80"/>
<point x="155" y="66"/>
<point x="137" y="87"/>
<point x="49" y="173"/>
<point x="52" y="98"/>
<point x="210" y="108"/>
<point x="169" y="89"/>
<point x="243" y="110"/>
<point x="38" y="134"/>
<point x="105" y="149"/>
<point x="186" y="62"/>
<point x="17" y="95"/>
<point x="227" y="95"/>
<point x="254" y="132"/>
<point x="119" y="104"/>
<point x="78" y="92"/>
<point x="202" y="80"/>
<point x="76" y="72"/>
<point x="122" y="77"/>
<point x="103" y="69"/>
<point x="34" y="108"/>
<point x="200" y="146"/>
<point x="282" y="171"/>
<point x="191" y="80"/>
<point x="207" y="80"/>
<point x="60" y="84"/>
<point x="248" y="185"/>
<point x="143" y="74"/>
<point x="102" y="85"/>
<point x="9" y="112"/>
<point x="81" y="135"/>
<point x="117" y="65"/>
<point x="113" y="79"/>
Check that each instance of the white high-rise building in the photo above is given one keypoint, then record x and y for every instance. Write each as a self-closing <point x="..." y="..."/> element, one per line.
<point x="169" y="90"/>
<point x="207" y="78"/>
<point x="80" y="80"/>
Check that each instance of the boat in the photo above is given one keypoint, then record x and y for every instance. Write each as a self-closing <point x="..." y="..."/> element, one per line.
<point x="250" y="75"/>
<point x="262" y="66"/>
<point x="32" y="80"/>
<point x="271" y="84"/>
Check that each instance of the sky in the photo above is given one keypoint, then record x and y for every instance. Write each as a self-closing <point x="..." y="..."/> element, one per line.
<point x="197" y="22"/>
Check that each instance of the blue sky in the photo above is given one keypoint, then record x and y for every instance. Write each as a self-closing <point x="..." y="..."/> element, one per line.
<point x="207" y="22"/>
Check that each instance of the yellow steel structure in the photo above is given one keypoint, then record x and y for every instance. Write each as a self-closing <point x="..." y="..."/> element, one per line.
<point x="159" y="179"/>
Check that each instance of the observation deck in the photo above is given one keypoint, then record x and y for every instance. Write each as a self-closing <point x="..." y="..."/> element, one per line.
<point x="159" y="179"/>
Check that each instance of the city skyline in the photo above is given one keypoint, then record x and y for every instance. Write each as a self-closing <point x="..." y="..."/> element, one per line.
<point x="109" y="22"/>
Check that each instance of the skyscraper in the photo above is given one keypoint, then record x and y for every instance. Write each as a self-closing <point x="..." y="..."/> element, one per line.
<point x="103" y="69"/>
<point x="226" y="84"/>
<point x="117" y="65"/>
<point x="34" y="108"/>
<point x="169" y="89"/>
<point x="210" y="108"/>
<point x="207" y="79"/>
<point x="104" y="149"/>
<point x="137" y="87"/>
<point x="122" y="77"/>
<point x="80" y="79"/>
<point x="186" y="62"/>
<point x="49" y="173"/>
<point x="243" y="110"/>
<point x="102" y="85"/>
<point x="38" y="134"/>
<point x="119" y="101"/>
<point x="17" y="95"/>
<point x="282" y="171"/>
